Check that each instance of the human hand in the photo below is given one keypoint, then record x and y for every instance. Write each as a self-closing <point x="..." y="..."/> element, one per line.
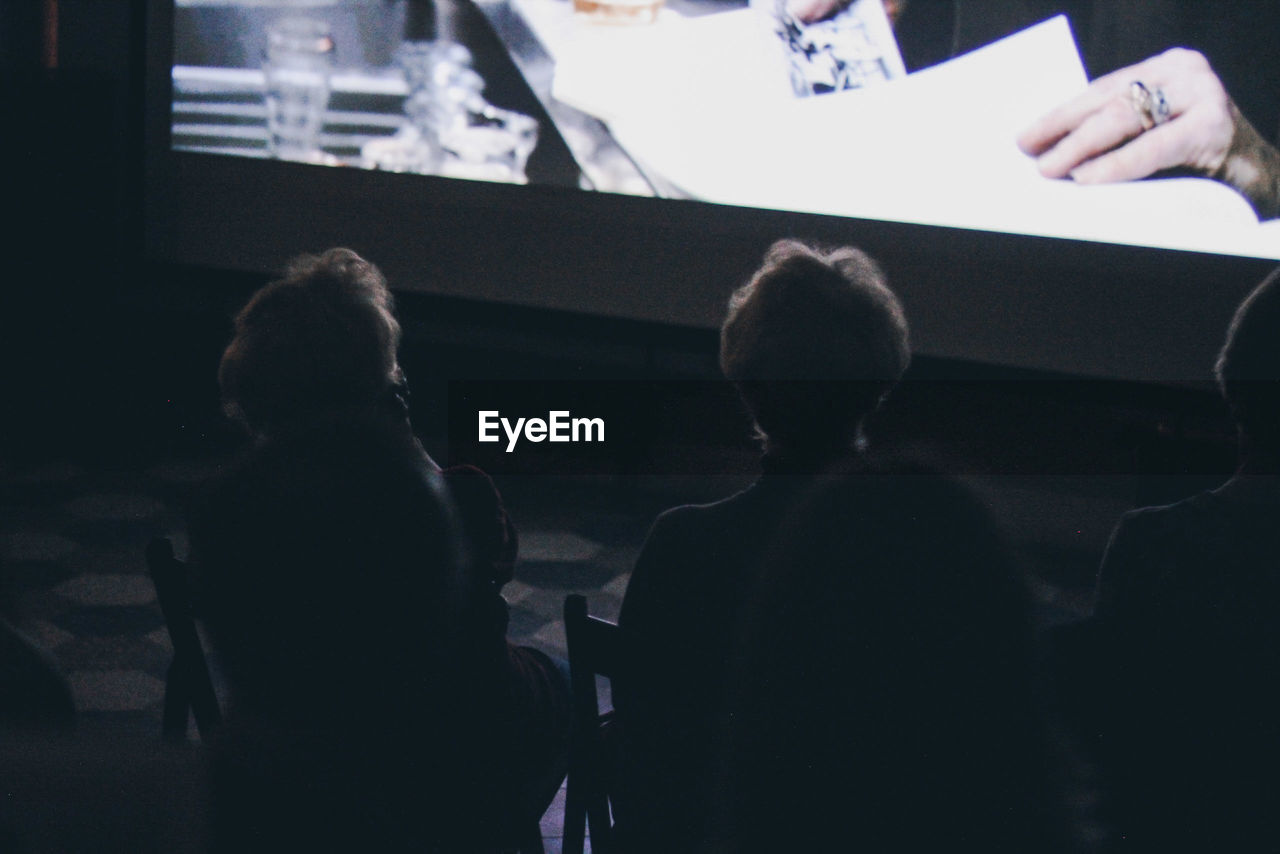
<point x="812" y="11"/>
<point x="1102" y="135"/>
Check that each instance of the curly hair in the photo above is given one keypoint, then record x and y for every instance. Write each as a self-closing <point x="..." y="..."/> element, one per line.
<point x="321" y="339"/>
<point x="814" y="341"/>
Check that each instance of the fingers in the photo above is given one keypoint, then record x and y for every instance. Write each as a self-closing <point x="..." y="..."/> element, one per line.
<point x="1098" y="132"/>
<point x="1198" y="139"/>
<point x="1163" y="147"/>
<point x="1049" y="129"/>
<point x="1105" y="93"/>
<point x="809" y="11"/>
<point x="1099" y="135"/>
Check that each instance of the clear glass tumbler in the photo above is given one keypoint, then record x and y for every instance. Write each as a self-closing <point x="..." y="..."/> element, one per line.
<point x="297" y="67"/>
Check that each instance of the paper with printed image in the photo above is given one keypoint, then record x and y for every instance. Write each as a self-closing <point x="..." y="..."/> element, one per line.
<point x="850" y="50"/>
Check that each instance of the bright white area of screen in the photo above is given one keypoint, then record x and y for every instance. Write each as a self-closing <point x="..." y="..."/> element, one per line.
<point x="935" y="148"/>
<point x="692" y="99"/>
<point x="196" y="78"/>
<point x="297" y="4"/>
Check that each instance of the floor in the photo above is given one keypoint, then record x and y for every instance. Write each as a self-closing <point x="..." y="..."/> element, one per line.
<point x="75" y="580"/>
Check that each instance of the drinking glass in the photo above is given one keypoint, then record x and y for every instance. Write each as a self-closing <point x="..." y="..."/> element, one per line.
<point x="297" y="67"/>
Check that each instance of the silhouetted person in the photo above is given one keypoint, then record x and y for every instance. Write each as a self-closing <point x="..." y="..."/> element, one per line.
<point x="374" y="699"/>
<point x="884" y="698"/>
<point x="813" y="342"/>
<point x="1189" y="596"/>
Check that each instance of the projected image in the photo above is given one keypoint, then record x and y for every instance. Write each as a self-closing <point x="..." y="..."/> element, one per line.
<point x="801" y="105"/>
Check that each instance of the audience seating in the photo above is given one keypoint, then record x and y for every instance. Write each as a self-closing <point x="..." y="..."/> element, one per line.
<point x="595" y="648"/>
<point x="188" y="687"/>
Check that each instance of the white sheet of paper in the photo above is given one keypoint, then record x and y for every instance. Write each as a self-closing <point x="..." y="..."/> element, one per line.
<point x="936" y="147"/>
<point x="670" y="70"/>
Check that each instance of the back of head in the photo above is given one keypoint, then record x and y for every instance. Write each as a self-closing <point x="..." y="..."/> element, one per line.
<point x="322" y="339"/>
<point x="1248" y="367"/>
<point x="814" y="340"/>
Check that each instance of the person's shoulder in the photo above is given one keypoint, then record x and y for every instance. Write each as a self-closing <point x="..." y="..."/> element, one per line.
<point x="696" y="517"/>
<point x="675" y="548"/>
<point x="1169" y="521"/>
<point x="1159" y="546"/>
<point x="689" y="514"/>
<point x="328" y="478"/>
<point x="363" y="456"/>
<point x="673" y="527"/>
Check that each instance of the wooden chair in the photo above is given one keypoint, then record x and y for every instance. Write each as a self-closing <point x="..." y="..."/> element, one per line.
<point x="188" y="689"/>
<point x="595" y="648"/>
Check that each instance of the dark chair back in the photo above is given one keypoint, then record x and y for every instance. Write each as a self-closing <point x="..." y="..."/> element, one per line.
<point x="188" y="688"/>
<point x="595" y="648"/>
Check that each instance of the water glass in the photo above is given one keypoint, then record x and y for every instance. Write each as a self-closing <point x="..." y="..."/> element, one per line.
<point x="297" y="68"/>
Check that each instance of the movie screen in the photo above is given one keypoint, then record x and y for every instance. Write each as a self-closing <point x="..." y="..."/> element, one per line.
<point x="907" y="111"/>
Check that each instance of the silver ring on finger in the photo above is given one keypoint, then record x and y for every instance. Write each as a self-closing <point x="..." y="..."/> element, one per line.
<point x="1151" y="105"/>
